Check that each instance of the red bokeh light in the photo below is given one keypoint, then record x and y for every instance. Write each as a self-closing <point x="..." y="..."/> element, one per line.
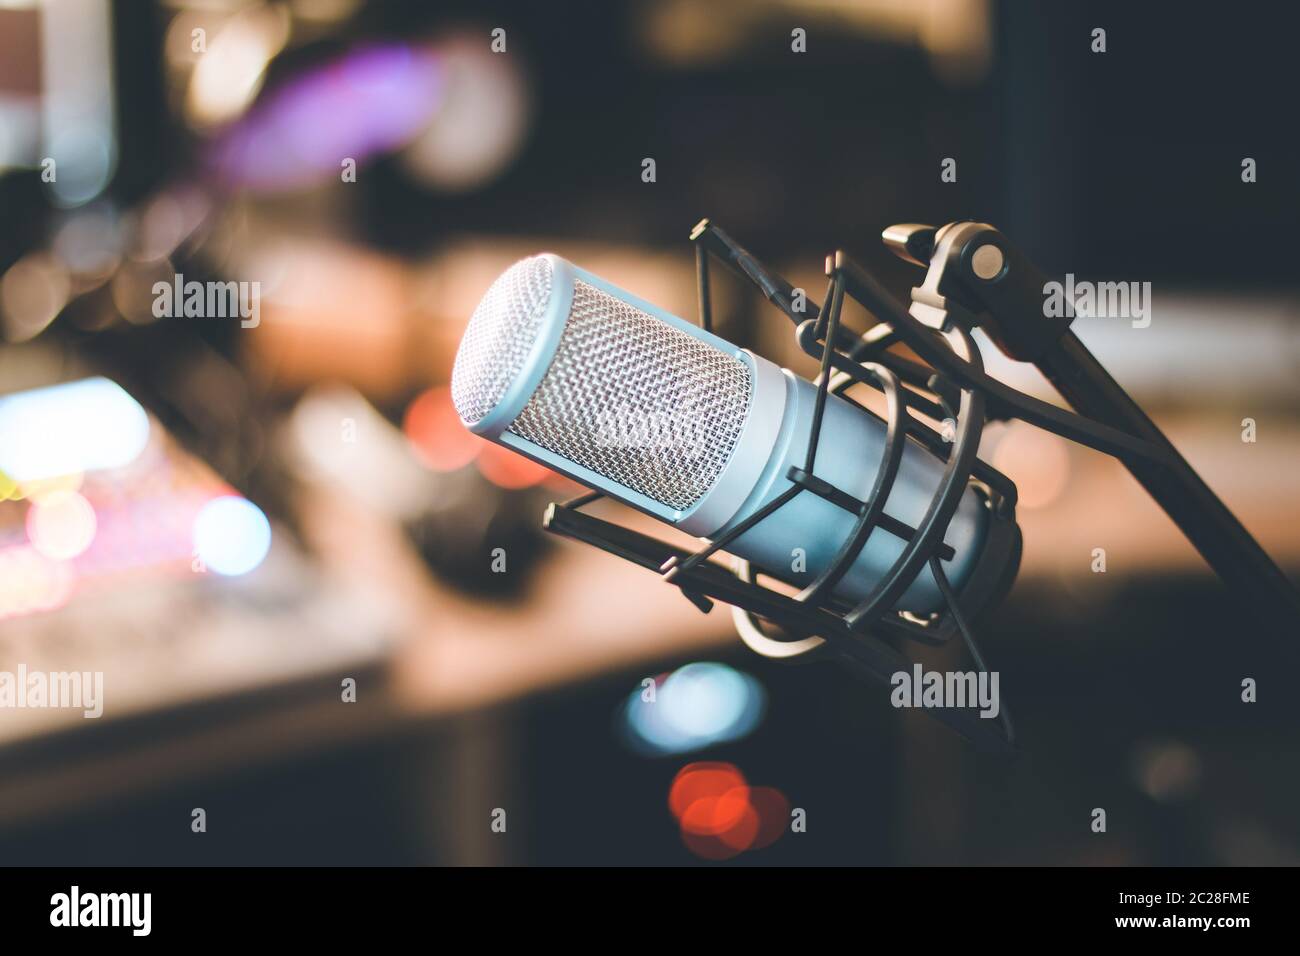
<point x="442" y="443"/>
<point x="436" y="434"/>
<point x="720" y="815"/>
<point x="698" y="781"/>
<point x="772" y="811"/>
<point x="508" y="469"/>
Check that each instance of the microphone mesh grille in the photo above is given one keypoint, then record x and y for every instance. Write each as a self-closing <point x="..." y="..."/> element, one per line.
<point x="498" y="337"/>
<point x="638" y="401"/>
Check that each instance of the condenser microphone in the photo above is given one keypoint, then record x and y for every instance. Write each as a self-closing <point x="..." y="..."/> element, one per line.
<point x="647" y="408"/>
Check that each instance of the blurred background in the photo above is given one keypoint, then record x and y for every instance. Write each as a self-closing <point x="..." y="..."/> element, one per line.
<point x="276" y="542"/>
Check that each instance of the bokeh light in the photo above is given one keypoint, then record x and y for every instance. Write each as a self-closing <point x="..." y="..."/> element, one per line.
<point x="69" y="429"/>
<point x="89" y="244"/>
<point x="718" y="828"/>
<point x="1037" y="460"/>
<point x="1166" y="770"/>
<point x="230" y="72"/>
<point x="480" y="120"/>
<point x="436" y="435"/>
<point x="702" y="780"/>
<point x="695" y="706"/>
<point x="231" y="535"/>
<point x="720" y="816"/>
<point x="506" y="469"/>
<point x="32" y="293"/>
<point x="369" y="100"/>
<point x="61" y="524"/>
<point x="30" y="582"/>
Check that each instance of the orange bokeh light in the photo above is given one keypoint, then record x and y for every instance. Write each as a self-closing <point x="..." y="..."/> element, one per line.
<point x="720" y="815"/>
<point x="436" y="434"/>
<point x="508" y="469"/>
<point x="442" y="443"/>
<point x="697" y="781"/>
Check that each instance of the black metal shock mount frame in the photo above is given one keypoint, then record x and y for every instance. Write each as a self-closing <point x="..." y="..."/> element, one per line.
<point x="974" y="279"/>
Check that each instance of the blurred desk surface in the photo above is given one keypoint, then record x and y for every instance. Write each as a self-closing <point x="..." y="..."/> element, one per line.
<point x="583" y="614"/>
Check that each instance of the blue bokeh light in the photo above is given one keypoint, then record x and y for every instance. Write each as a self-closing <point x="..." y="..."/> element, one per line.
<point x="696" y="706"/>
<point x="231" y="535"/>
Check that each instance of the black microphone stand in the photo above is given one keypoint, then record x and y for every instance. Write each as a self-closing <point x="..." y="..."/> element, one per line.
<point x="975" y="275"/>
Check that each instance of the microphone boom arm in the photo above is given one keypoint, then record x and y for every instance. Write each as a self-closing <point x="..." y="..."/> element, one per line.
<point x="975" y="275"/>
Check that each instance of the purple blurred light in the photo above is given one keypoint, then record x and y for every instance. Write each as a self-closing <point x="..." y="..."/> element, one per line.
<point x="371" y="100"/>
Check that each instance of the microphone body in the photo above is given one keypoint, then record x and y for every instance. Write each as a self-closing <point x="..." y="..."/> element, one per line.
<point x="629" y="400"/>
